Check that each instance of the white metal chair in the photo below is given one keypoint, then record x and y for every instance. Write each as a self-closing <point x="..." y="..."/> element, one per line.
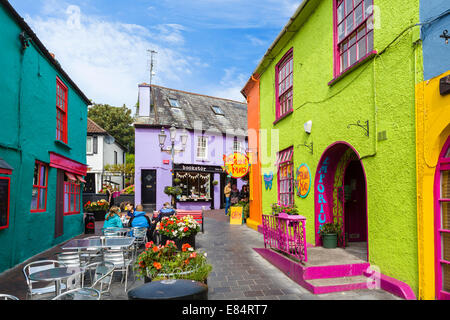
<point x="121" y="263"/>
<point x="79" y="294"/>
<point x="39" y="266"/>
<point x="8" y="297"/>
<point x="70" y="259"/>
<point x="91" y="254"/>
<point x="114" y="232"/>
<point x="140" y="235"/>
<point x="102" y="277"/>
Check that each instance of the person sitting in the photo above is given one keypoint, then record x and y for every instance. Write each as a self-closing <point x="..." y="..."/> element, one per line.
<point x="112" y="218"/>
<point x="129" y="209"/>
<point x="140" y="220"/>
<point x="166" y="211"/>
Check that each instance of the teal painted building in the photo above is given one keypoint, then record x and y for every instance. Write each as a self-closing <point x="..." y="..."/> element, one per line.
<point x="42" y="145"/>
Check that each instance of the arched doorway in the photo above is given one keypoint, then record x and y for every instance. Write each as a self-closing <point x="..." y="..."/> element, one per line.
<point x="341" y="196"/>
<point x="442" y="223"/>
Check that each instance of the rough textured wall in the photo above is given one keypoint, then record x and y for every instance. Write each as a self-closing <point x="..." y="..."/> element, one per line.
<point x="28" y="92"/>
<point x="382" y="91"/>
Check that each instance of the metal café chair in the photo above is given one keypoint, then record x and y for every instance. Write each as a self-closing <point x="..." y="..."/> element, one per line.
<point x="32" y="289"/>
<point x="121" y="263"/>
<point x="102" y="277"/>
<point x="140" y="235"/>
<point x="79" y="294"/>
<point x="114" y="232"/>
<point x="7" y="297"/>
<point x="70" y="259"/>
<point x="90" y="254"/>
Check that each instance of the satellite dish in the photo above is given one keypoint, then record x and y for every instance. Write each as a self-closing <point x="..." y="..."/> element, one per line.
<point x="109" y="139"/>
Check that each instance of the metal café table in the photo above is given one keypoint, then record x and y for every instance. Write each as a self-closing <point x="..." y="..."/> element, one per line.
<point x="55" y="274"/>
<point x="99" y="242"/>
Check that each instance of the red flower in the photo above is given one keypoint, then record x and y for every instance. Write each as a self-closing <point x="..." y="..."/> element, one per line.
<point x="185" y="246"/>
<point x="155" y="249"/>
<point x="149" y="244"/>
<point x="193" y="255"/>
<point x="186" y="261"/>
<point x="157" y="265"/>
<point x="185" y="229"/>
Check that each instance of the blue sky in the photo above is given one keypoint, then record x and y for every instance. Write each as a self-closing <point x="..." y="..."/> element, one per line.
<point x="205" y="46"/>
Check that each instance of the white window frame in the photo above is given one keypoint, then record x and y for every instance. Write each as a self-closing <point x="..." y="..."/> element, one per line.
<point x="90" y="143"/>
<point x="202" y="145"/>
<point x="236" y="146"/>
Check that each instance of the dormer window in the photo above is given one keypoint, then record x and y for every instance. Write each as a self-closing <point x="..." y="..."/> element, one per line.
<point x="174" y="103"/>
<point x="217" y="110"/>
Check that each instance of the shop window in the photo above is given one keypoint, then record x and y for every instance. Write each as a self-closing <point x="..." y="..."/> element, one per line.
<point x="195" y="186"/>
<point x="353" y="32"/>
<point x="4" y="202"/>
<point x="39" y="192"/>
<point x="202" y="148"/>
<point x="71" y="194"/>
<point x="284" y="85"/>
<point x="285" y="177"/>
<point x="61" y="111"/>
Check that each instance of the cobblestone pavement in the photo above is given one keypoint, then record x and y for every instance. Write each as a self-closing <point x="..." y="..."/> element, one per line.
<point x="239" y="273"/>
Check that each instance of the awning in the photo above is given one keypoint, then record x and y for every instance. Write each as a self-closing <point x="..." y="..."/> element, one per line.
<point x="285" y="156"/>
<point x="80" y="178"/>
<point x="70" y="176"/>
<point x="5" y="168"/>
<point x="66" y="164"/>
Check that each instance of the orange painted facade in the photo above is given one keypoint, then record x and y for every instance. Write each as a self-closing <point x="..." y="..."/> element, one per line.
<point x="251" y="92"/>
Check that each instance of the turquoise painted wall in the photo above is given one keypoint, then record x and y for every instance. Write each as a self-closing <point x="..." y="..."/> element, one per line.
<point x="28" y="133"/>
<point x="382" y="91"/>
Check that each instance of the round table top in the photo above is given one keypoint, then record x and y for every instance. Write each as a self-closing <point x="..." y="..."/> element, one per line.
<point x="53" y="274"/>
<point x="169" y="290"/>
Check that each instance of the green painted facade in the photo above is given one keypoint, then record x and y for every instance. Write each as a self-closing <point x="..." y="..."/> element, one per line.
<point x="380" y="90"/>
<point x="28" y="133"/>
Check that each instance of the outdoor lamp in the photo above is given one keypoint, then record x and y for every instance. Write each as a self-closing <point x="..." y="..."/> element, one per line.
<point x="308" y="126"/>
<point x="173" y="133"/>
<point x="184" y="138"/>
<point x="162" y="137"/>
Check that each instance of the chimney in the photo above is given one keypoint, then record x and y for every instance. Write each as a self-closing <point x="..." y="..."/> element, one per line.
<point x="144" y="100"/>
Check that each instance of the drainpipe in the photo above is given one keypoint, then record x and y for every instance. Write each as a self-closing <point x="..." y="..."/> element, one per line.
<point x="375" y="112"/>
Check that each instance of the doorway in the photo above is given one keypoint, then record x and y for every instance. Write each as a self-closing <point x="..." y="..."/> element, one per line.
<point x="148" y="187"/>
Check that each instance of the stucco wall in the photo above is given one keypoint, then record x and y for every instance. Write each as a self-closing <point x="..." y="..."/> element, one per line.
<point x="380" y="91"/>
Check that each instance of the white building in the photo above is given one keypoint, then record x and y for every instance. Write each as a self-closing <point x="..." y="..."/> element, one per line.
<point x="102" y="149"/>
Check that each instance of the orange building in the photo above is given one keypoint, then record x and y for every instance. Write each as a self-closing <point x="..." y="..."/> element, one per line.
<point x="251" y="93"/>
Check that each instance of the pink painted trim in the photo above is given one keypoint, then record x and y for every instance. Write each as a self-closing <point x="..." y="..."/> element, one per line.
<point x="9" y="202"/>
<point x="335" y="40"/>
<point x="394" y="286"/>
<point x="277" y="102"/>
<point x="66" y="164"/>
<point x="440" y="294"/>
<point x="5" y="171"/>
<point x="336" y="271"/>
<point x="353" y="67"/>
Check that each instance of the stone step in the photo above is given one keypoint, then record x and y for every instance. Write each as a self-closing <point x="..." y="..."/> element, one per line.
<point x="328" y="285"/>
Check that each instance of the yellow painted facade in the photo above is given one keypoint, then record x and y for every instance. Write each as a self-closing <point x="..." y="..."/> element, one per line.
<point x="432" y="131"/>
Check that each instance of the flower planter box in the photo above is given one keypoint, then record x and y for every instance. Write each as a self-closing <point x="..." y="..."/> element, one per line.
<point x="98" y="215"/>
<point x="179" y="242"/>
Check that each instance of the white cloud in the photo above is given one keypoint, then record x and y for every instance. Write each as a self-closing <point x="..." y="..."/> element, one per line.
<point x="230" y="85"/>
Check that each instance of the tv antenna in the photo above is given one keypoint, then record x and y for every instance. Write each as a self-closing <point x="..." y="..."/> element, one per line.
<point x="152" y="63"/>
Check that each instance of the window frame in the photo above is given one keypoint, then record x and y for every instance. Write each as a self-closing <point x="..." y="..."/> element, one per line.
<point x="61" y="112"/>
<point x="77" y="197"/>
<point x="39" y="186"/>
<point x="218" y="112"/>
<point x="236" y="142"/>
<point x="205" y="147"/>
<point x="90" y="142"/>
<point x="9" y="201"/>
<point x="338" y="71"/>
<point x="176" y="102"/>
<point x="285" y="60"/>
<point x="290" y="180"/>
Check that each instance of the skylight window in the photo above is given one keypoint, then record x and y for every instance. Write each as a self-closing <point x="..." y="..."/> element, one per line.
<point x="217" y="110"/>
<point x="174" y="103"/>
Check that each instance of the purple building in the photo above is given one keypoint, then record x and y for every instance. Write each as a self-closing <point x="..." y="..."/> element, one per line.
<point x="213" y="127"/>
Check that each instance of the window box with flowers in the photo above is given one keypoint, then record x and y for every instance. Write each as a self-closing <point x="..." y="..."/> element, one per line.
<point x="99" y="208"/>
<point x="169" y="262"/>
<point x="180" y="230"/>
<point x="281" y="209"/>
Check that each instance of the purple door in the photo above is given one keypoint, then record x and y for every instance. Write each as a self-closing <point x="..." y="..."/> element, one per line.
<point x="355" y="214"/>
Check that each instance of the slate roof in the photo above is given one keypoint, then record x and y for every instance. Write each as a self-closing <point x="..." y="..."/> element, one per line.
<point x="195" y="107"/>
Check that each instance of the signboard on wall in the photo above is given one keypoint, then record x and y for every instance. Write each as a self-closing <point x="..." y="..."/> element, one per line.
<point x="236" y="215"/>
<point x="303" y="180"/>
<point x="236" y="164"/>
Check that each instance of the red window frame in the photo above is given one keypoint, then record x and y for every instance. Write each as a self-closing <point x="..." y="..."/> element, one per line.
<point x="284" y="85"/>
<point x="285" y="176"/>
<point x="353" y="33"/>
<point x="41" y="185"/>
<point x="72" y="198"/>
<point x="9" y="193"/>
<point x="61" y="111"/>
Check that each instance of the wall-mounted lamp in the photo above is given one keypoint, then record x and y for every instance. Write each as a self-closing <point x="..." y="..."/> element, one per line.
<point x="445" y="36"/>
<point x="308" y="126"/>
<point x="25" y="40"/>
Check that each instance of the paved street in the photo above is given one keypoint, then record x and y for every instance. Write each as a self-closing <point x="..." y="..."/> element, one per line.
<point x="239" y="273"/>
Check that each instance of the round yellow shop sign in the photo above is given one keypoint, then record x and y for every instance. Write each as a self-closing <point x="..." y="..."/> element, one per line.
<point x="236" y="164"/>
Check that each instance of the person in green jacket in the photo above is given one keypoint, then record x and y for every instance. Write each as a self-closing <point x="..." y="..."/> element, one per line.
<point x="112" y="218"/>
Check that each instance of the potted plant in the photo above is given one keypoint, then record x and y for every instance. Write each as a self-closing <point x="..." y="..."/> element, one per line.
<point x="215" y="183"/>
<point x="171" y="262"/>
<point x="99" y="208"/>
<point x="278" y="209"/>
<point x="181" y="230"/>
<point x="330" y="232"/>
<point x="173" y="192"/>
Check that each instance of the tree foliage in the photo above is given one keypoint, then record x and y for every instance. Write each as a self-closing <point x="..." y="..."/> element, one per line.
<point x="118" y="121"/>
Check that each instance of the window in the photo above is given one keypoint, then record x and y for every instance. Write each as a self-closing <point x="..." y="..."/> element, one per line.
<point x="285" y="177"/>
<point x="4" y="202"/>
<point x="90" y="145"/>
<point x="354" y="32"/>
<point x="217" y="110"/>
<point x="284" y="85"/>
<point x="71" y="194"/>
<point x="174" y="103"/>
<point x="202" y="148"/>
<point x="39" y="193"/>
<point x="61" y="111"/>
<point x="236" y="145"/>
<point x="195" y="186"/>
<point x="115" y="157"/>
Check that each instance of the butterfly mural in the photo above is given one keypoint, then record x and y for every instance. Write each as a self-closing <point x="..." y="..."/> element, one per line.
<point x="268" y="178"/>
